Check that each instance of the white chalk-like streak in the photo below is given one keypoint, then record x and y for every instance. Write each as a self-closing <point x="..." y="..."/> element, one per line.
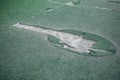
<point x="73" y="42"/>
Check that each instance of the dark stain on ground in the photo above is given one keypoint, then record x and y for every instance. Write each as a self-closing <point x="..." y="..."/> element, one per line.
<point x="110" y="1"/>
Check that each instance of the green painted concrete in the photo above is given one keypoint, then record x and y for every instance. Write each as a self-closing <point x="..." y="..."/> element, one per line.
<point x="27" y="55"/>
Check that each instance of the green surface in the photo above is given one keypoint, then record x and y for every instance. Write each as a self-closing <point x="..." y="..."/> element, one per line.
<point x="27" y="55"/>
